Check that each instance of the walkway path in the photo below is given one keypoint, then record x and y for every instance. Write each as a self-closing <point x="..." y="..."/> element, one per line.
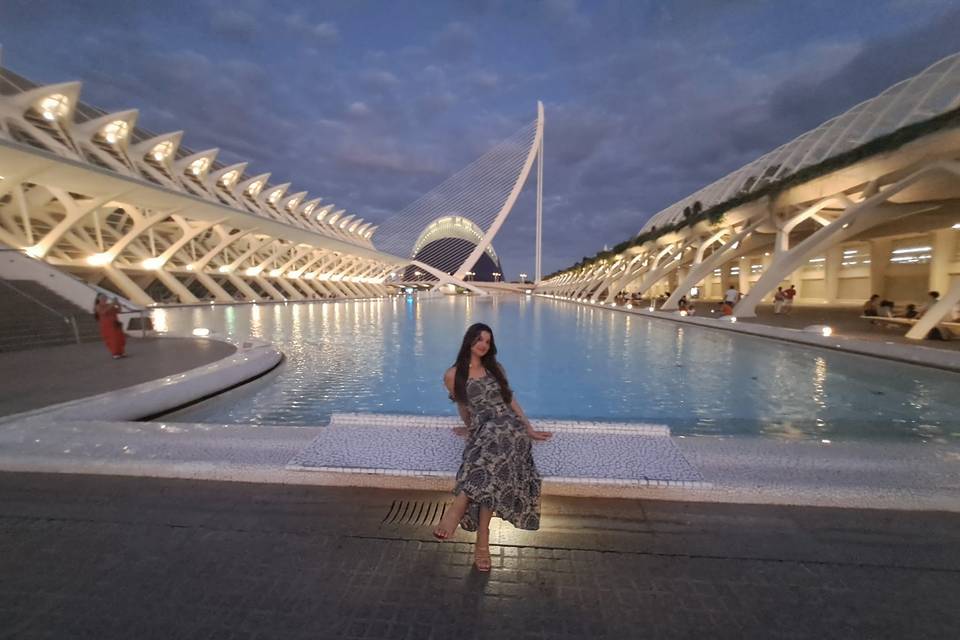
<point x="844" y="321"/>
<point x="40" y="377"/>
<point x="106" y="557"/>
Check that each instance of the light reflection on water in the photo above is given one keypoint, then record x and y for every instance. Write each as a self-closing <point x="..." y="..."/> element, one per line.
<point x="567" y="361"/>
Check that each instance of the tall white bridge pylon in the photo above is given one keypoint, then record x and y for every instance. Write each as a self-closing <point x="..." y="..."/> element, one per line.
<point x="484" y="193"/>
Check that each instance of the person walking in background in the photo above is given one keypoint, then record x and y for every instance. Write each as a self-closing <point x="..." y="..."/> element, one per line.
<point x="778" y="299"/>
<point x="732" y="296"/>
<point x="497" y="474"/>
<point x="871" y="307"/>
<point x="105" y="311"/>
<point x="788" y="297"/>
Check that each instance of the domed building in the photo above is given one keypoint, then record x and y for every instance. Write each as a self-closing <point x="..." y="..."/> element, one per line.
<point x="444" y="245"/>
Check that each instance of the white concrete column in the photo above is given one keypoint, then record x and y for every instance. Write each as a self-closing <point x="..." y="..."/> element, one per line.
<point x="944" y="246"/>
<point x="243" y="287"/>
<point x="171" y="282"/>
<point x="831" y="273"/>
<point x="743" y="279"/>
<point x="127" y="286"/>
<point x="879" y="261"/>
<point x="292" y="292"/>
<point x="269" y="288"/>
<point x="211" y="285"/>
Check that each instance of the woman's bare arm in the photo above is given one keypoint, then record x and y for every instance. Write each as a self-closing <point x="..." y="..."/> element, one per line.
<point x="533" y="433"/>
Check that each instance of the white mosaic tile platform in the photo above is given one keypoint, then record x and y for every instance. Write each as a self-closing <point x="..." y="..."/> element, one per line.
<point x="579" y="452"/>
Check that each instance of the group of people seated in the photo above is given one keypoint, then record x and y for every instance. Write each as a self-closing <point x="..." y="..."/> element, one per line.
<point x="885" y="308"/>
<point x="875" y="307"/>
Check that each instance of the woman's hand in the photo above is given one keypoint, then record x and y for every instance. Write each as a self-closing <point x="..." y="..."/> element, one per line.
<point x="461" y="431"/>
<point x="538" y="436"/>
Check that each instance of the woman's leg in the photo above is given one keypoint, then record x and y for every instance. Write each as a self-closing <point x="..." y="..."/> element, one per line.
<point x="481" y="550"/>
<point x="451" y="518"/>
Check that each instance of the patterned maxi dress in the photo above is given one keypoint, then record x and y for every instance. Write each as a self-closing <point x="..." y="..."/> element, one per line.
<point x="497" y="469"/>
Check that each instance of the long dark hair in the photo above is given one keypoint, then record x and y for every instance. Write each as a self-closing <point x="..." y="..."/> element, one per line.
<point x="489" y="362"/>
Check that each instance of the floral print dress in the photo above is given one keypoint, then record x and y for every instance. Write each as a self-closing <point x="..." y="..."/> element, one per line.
<point x="497" y="470"/>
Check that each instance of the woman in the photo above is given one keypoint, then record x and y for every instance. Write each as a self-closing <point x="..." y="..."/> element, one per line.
<point x="497" y="475"/>
<point x="105" y="311"/>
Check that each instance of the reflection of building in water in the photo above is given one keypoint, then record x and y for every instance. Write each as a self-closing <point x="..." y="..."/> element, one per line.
<point x="445" y="243"/>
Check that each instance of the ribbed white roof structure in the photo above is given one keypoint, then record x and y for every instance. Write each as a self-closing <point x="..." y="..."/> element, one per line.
<point x="52" y="118"/>
<point x="934" y="91"/>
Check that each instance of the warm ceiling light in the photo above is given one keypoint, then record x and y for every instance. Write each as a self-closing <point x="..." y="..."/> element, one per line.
<point x="229" y="178"/>
<point x="276" y="272"/>
<point x="225" y="269"/>
<point x="162" y="151"/>
<point x="115" y="131"/>
<point x="255" y="187"/>
<point x="99" y="259"/>
<point x="199" y="166"/>
<point x="254" y="271"/>
<point x="274" y="196"/>
<point x="309" y="208"/>
<point x="54" y="106"/>
<point x="153" y="263"/>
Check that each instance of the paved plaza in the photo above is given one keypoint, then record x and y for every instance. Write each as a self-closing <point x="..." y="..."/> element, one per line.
<point x="109" y="557"/>
<point x="41" y="377"/>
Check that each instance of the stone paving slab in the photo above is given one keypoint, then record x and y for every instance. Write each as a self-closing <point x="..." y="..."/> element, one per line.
<point x="408" y="445"/>
<point x="109" y="558"/>
<point x="41" y="377"/>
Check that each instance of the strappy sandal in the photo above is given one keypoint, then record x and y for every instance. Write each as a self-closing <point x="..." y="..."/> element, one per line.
<point x="481" y="558"/>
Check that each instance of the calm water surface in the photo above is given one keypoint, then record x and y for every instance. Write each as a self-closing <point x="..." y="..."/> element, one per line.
<point x="569" y="361"/>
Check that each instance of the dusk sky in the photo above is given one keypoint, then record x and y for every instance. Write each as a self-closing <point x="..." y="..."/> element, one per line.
<point x="371" y="104"/>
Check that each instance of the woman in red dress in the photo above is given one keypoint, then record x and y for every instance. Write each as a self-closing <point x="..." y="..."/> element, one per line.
<point x="105" y="311"/>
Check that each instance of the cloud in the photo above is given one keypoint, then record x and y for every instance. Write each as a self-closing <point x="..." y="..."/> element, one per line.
<point x="321" y="33"/>
<point x="380" y="79"/>
<point x="359" y="109"/>
<point x="234" y="23"/>
<point x="485" y="79"/>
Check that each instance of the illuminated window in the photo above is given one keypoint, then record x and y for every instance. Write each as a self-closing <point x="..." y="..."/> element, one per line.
<point x="910" y="252"/>
<point x="115" y="131"/>
<point x="54" y="106"/>
<point x="199" y="166"/>
<point x="229" y="178"/>
<point x="855" y="256"/>
<point x="162" y="151"/>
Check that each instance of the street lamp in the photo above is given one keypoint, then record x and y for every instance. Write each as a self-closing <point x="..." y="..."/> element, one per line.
<point x="496" y="276"/>
<point x="523" y="278"/>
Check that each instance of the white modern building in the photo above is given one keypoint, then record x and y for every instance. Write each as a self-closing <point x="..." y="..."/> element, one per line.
<point x="866" y="203"/>
<point x="140" y="214"/>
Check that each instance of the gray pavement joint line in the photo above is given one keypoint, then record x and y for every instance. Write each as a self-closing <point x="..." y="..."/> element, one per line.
<point x="622" y="552"/>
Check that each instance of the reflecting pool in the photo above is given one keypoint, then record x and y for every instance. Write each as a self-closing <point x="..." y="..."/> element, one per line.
<point x="568" y="361"/>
